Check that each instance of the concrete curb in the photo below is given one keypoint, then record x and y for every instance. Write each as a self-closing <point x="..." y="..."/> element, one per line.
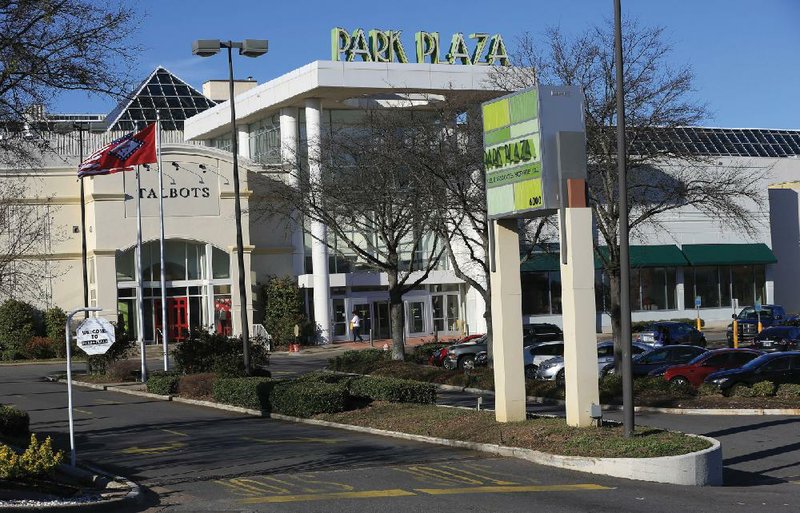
<point x="702" y="468"/>
<point x="95" y="476"/>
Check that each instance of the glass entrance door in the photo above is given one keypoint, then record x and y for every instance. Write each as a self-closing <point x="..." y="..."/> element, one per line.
<point x="177" y="318"/>
<point x="416" y="317"/>
<point x="383" y="322"/>
<point x="361" y="307"/>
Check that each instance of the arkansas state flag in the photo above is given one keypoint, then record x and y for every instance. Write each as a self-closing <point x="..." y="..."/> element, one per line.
<point x="121" y="154"/>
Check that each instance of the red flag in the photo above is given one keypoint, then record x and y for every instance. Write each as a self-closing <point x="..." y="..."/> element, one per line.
<point x="121" y="154"/>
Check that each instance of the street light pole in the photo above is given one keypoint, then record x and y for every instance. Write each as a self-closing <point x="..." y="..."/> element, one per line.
<point x="624" y="258"/>
<point x="248" y="48"/>
<point x="83" y="227"/>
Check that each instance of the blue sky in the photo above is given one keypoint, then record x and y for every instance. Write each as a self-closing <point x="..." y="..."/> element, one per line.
<point x="743" y="52"/>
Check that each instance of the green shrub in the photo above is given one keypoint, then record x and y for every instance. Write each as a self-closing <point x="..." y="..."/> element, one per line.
<point x="121" y="349"/>
<point x="482" y="377"/>
<point x="788" y="391"/>
<point x="325" y="377"/>
<point x="13" y="421"/>
<point x="283" y="309"/>
<point x="707" y="389"/>
<point x="204" y="350"/>
<point x="40" y="348"/>
<point x="544" y="388"/>
<point x="18" y="322"/>
<point x="422" y="353"/>
<point x="657" y="385"/>
<point x="252" y="392"/>
<point x="359" y="362"/>
<point x="197" y="386"/>
<point x="741" y="390"/>
<point x="393" y="390"/>
<point x="123" y="370"/>
<point x="37" y="459"/>
<point x="162" y="383"/>
<point x="610" y="388"/>
<point x="308" y="398"/>
<point x="764" y="389"/>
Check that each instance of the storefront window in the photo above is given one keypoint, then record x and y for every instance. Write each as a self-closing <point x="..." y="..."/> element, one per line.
<point x="716" y="286"/>
<point x="555" y="292"/>
<point x="339" y="318"/>
<point x="657" y="288"/>
<point x="706" y="283"/>
<point x="535" y="294"/>
<point x="221" y="264"/>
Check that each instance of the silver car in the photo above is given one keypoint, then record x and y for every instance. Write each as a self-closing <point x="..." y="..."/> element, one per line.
<point x="535" y="354"/>
<point x="553" y="369"/>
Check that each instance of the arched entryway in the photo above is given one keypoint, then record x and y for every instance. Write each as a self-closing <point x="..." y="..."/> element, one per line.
<point x="198" y="289"/>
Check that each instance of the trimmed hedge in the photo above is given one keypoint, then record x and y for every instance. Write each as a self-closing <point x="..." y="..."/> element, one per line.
<point x="764" y="389"/>
<point x="252" y="392"/>
<point x="360" y="362"/>
<point x="162" y="383"/>
<point x="13" y="421"/>
<point x="307" y="398"/>
<point x="393" y="390"/>
<point x="788" y="391"/>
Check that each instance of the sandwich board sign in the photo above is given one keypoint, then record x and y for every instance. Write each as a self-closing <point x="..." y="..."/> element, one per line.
<point x="95" y="336"/>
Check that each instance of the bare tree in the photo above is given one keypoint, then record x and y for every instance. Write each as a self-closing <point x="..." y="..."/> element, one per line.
<point x="373" y="200"/>
<point x="51" y="46"/>
<point x="662" y="177"/>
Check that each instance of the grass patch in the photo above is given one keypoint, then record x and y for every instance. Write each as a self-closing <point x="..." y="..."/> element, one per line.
<point x="542" y="434"/>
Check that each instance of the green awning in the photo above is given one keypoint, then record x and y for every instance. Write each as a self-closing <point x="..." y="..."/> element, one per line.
<point x="541" y="262"/>
<point x="728" y="254"/>
<point x="667" y="255"/>
<point x="664" y="255"/>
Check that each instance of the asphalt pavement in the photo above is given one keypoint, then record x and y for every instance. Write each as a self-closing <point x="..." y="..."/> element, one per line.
<point x="192" y="458"/>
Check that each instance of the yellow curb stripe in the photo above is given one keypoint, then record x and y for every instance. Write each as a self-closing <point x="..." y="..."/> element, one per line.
<point x="370" y="494"/>
<point x="511" y="489"/>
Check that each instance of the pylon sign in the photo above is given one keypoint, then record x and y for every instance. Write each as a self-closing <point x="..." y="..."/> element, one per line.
<point x="95" y="336"/>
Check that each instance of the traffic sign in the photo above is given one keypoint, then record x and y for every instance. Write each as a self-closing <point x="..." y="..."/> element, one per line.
<point x="697" y="302"/>
<point x="95" y="336"/>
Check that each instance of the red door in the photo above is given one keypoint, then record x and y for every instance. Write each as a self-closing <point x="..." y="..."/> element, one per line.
<point x="177" y="318"/>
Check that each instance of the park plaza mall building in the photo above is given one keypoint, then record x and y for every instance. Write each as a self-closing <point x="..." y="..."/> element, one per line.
<point x="689" y="255"/>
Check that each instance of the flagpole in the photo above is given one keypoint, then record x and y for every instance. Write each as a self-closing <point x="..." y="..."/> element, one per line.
<point x="164" y="320"/>
<point x="139" y="283"/>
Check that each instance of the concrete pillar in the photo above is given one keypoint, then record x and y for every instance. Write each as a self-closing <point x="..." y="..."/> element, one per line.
<point x="289" y="156"/>
<point x="680" y="288"/>
<point x="243" y="136"/>
<point x="578" y="307"/>
<point x="319" y="251"/>
<point x="509" y="373"/>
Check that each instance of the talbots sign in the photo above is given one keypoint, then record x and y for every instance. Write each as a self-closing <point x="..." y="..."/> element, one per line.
<point x="387" y="46"/>
<point x="189" y="190"/>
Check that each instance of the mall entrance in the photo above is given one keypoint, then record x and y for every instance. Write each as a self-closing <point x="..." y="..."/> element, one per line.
<point x="198" y="290"/>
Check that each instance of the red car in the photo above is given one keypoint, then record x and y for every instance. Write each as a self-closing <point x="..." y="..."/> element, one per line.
<point x="696" y="370"/>
<point x="438" y="357"/>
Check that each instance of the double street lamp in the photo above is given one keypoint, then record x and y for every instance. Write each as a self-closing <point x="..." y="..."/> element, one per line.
<point x="248" y="48"/>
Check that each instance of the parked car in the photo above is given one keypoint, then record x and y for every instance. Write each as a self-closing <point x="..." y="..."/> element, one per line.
<point x="540" y="332"/>
<point x="671" y="333"/>
<point x="553" y="369"/>
<point x="536" y="354"/>
<point x="697" y="370"/>
<point x="462" y="356"/>
<point x="778" y="338"/>
<point x="656" y="361"/>
<point x="778" y="368"/>
<point x="482" y="359"/>
<point x="747" y="320"/>
<point x="438" y="357"/>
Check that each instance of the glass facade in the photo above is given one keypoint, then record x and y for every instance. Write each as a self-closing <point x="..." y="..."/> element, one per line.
<point x="717" y="286"/>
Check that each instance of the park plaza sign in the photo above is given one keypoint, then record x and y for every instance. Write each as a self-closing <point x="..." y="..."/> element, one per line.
<point x="387" y="46"/>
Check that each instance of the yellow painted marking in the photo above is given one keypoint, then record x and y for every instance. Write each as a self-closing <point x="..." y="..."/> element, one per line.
<point x="106" y="401"/>
<point x="272" y="441"/>
<point x="485" y="478"/>
<point x="511" y="489"/>
<point x="174" y="432"/>
<point x="370" y="494"/>
<point x="83" y="411"/>
<point x="487" y="472"/>
<point x="153" y="450"/>
<point x="257" y="487"/>
<point x="428" y="473"/>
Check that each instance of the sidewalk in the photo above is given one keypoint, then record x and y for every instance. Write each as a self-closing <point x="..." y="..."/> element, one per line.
<point x="377" y="344"/>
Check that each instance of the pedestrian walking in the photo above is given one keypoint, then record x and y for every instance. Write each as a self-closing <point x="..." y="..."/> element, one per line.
<point x="355" y="326"/>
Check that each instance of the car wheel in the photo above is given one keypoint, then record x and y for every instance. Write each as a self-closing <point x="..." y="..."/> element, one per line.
<point x="560" y="377"/>
<point x="680" y="381"/>
<point x="466" y="362"/>
<point x="448" y="364"/>
<point x="530" y="371"/>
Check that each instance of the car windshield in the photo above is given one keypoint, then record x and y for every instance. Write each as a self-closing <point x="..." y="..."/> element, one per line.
<point x="756" y="362"/>
<point x="750" y="312"/>
<point x="697" y="359"/>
